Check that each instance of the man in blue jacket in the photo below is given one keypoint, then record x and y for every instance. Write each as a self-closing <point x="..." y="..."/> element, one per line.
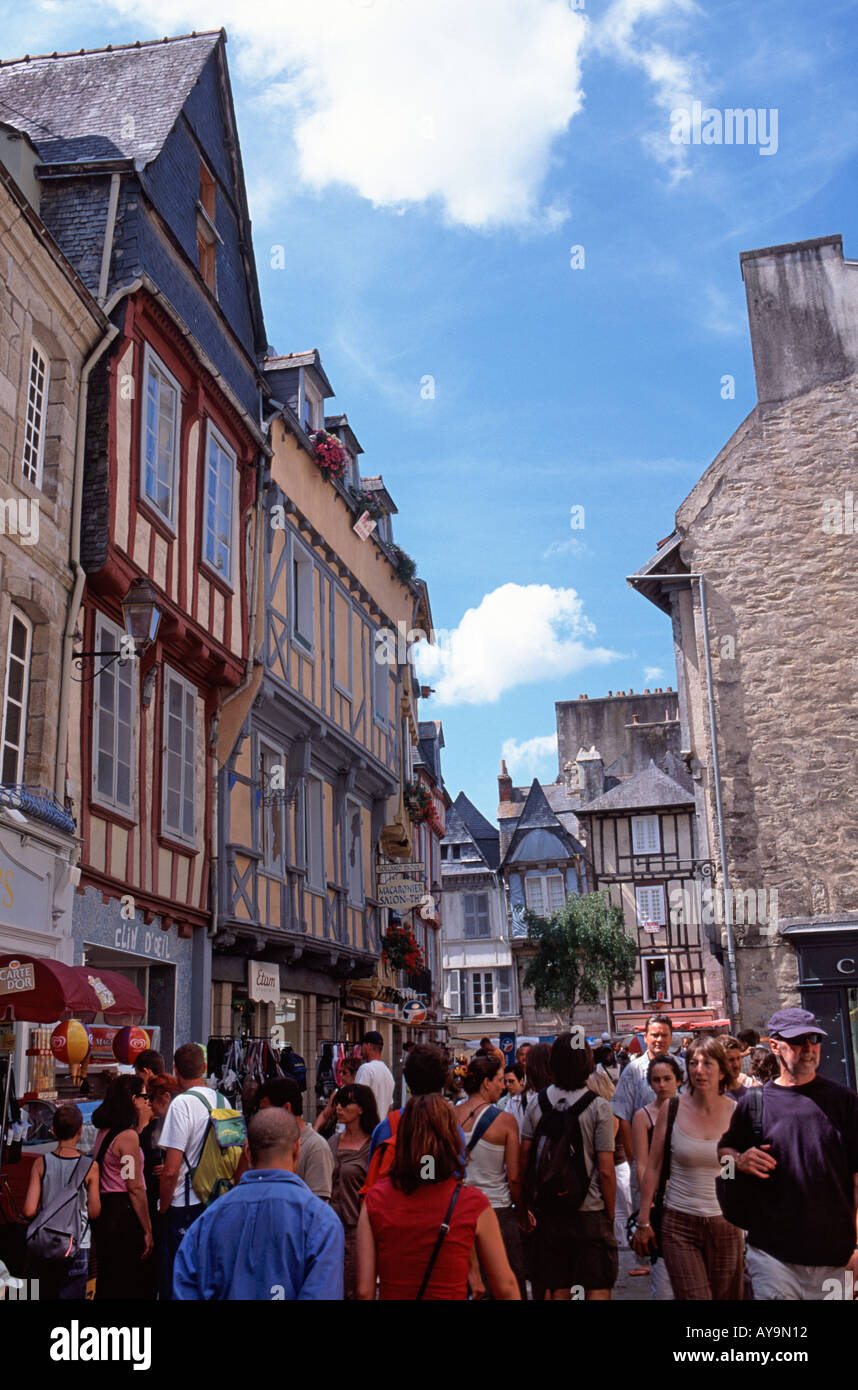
<point x="269" y="1238"/>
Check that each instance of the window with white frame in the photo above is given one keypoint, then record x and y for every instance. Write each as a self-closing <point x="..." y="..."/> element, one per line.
<point x="311" y="407"/>
<point x="303" y="609"/>
<point x="453" y="991"/>
<point x="19" y="652"/>
<point x="354" y="852"/>
<point x="179" y="801"/>
<point x="482" y="993"/>
<point x="544" y="893"/>
<point x="314" y="833"/>
<point x="160" y="442"/>
<point x="646" y="837"/>
<point x="114" y="713"/>
<point x="656" y="979"/>
<point x="272" y="809"/>
<point x="476" y="909"/>
<point x="650" y="904"/>
<point x="37" y="409"/>
<point x="220" y="492"/>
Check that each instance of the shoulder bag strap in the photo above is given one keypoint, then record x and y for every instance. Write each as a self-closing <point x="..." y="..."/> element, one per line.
<point x="673" y="1105"/>
<point x="443" y="1229"/>
<point x="105" y="1145"/>
<point x="755" y="1106"/>
<point x="487" y="1118"/>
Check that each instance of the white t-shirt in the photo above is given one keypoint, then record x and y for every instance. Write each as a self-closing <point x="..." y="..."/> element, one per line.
<point x="185" y="1129"/>
<point x="379" y="1078"/>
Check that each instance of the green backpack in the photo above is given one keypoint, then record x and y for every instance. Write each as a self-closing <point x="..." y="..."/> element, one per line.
<point x="220" y="1155"/>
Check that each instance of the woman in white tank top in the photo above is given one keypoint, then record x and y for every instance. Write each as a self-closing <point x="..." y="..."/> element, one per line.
<point x="493" y="1157"/>
<point x="702" y="1251"/>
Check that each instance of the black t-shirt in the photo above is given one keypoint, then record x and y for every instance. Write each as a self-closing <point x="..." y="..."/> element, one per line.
<point x="806" y="1213"/>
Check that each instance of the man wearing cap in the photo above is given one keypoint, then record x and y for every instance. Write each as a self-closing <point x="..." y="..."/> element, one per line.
<point x="803" y="1241"/>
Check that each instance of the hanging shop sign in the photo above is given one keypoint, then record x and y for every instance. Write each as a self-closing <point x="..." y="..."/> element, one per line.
<point x="405" y="868"/>
<point x="400" y="892"/>
<point x="263" y="982"/>
<point x="414" y="1011"/>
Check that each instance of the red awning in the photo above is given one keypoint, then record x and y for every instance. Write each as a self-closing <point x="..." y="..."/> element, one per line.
<point x="35" y="990"/>
<point x="127" y="1004"/>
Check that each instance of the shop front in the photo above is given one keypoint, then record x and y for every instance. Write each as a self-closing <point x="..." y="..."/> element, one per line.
<point x="827" y="957"/>
<point x="36" y="894"/>
<point x="163" y="966"/>
<point x="267" y="1002"/>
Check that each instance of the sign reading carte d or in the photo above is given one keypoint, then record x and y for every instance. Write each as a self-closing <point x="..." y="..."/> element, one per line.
<point x="263" y="982"/>
<point x="16" y="976"/>
<point x="400" y="892"/>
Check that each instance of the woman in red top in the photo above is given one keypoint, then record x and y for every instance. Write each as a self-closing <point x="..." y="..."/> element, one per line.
<point x="402" y="1216"/>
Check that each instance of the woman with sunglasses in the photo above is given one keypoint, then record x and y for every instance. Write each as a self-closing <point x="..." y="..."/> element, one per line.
<point x="357" y="1110"/>
<point x="123" y="1231"/>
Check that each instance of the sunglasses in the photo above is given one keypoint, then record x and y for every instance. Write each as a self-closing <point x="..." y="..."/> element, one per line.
<point x="812" y="1038"/>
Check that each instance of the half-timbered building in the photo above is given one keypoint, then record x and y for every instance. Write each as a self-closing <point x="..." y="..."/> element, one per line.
<point x="142" y="187"/>
<point x="313" y="791"/>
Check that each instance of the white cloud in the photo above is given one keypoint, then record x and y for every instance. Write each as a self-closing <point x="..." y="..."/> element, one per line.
<point x="572" y="546"/>
<point x="517" y="635"/>
<point x="526" y="758"/>
<point x="725" y="314"/>
<point x="652" y="673"/>
<point x="449" y="104"/>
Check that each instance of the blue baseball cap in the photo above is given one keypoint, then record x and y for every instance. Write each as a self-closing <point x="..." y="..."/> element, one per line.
<point x="793" y="1023"/>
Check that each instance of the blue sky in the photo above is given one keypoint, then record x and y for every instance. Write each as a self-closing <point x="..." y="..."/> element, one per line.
<point x="428" y="170"/>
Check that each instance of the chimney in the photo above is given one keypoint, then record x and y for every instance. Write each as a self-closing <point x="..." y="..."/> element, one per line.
<point x="504" y="783"/>
<point x="803" y="315"/>
<point x="591" y="773"/>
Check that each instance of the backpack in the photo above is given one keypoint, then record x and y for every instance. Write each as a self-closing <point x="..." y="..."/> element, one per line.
<point x="557" y="1179"/>
<point x="54" y="1235"/>
<point x="739" y="1197"/>
<point x="222" y="1148"/>
<point x="293" y="1065"/>
<point x="382" y="1159"/>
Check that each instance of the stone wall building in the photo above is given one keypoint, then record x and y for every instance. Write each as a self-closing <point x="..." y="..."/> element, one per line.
<point x="50" y="326"/>
<point x="759" y="582"/>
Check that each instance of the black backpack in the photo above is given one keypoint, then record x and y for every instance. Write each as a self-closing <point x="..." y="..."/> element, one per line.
<point x="557" y="1179"/>
<point x="739" y="1197"/>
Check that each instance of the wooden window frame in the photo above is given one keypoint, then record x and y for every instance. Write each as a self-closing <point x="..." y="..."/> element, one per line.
<point x="152" y="362"/>
<point x="36" y="416"/>
<point x="108" y="635"/>
<point x="20" y="750"/>
<point x="214" y="436"/>
<point x="168" y="831"/>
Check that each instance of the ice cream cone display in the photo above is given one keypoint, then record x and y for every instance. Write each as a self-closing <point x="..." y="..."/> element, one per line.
<point x="129" y="1043"/>
<point x="71" y="1043"/>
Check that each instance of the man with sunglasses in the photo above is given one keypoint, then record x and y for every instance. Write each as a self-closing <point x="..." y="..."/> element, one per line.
<point x="802" y="1243"/>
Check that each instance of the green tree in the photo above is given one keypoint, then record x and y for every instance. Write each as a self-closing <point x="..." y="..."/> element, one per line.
<point x="582" y="951"/>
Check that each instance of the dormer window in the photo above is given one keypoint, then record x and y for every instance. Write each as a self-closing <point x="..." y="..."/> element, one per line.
<point x="311" y="408"/>
<point x="207" y="233"/>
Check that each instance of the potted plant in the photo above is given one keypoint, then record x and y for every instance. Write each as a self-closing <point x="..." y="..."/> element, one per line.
<point x="368" y="502"/>
<point x="399" y="949"/>
<point x="329" y="453"/>
<point x="405" y="567"/>
<point x="418" y="802"/>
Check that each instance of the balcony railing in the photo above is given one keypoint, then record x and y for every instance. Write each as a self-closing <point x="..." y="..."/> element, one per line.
<point x="38" y="802"/>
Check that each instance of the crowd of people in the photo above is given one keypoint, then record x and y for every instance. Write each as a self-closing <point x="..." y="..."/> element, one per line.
<point x="730" y="1168"/>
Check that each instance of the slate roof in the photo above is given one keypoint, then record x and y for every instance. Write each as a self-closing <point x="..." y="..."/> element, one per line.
<point x="538" y="816"/>
<point x="464" y="822"/>
<point x="649" y="789"/>
<point x="104" y="104"/>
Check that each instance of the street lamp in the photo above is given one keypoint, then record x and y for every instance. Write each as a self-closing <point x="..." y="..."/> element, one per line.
<point x="141" y="615"/>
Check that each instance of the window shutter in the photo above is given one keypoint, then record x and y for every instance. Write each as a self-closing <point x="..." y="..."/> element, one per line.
<point x="650" y="904"/>
<point x="504" y="990"/>
<point x="470" y="915"/>
<point x="645" y="835"/>
<point x="483" y="923"/>
<point x="533" y="892"/>
<point x="453" y="1000"/>
<point x="556" y="894"/>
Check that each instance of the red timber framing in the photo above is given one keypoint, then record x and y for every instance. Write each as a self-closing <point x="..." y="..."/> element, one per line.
<point x="202" y="637"/>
